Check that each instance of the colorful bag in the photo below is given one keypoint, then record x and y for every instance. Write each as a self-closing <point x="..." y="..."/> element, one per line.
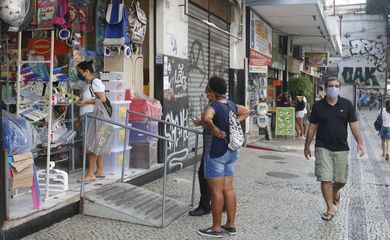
<point x="59" y="14"/>
<point x="136" y="23"/>
<point x="115" y="27"/>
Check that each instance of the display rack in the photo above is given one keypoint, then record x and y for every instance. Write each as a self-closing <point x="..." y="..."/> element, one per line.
<point x="20" y="62"/>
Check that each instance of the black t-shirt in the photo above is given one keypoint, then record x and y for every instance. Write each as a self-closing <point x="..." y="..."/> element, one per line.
<point x="332" y="123"/>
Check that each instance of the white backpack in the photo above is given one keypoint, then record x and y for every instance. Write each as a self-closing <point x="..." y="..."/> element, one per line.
<point x="136" y="23"/>
<point x="236" y="135"/>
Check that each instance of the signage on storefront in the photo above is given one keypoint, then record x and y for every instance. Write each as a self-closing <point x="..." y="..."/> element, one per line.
<point x="293" y="65"/>
<point x="285" y="121"/>
<point x="316" y="59"/>
<point x="260" y="49"/>
<point x="41" y="47"/>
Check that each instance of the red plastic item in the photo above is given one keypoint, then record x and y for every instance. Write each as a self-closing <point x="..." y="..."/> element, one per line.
<point x="145" y="106"/>
<point x="128" y="95"/>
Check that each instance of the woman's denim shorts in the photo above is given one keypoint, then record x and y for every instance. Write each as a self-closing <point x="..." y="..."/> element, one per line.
<point x="221" y="166"/>
<point x="385" y="133"/>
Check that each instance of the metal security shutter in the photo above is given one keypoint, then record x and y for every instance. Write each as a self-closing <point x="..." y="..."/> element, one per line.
<point x="198" y="65"/>
<point x="208" y="55"/>
<point x="219" y="49"/>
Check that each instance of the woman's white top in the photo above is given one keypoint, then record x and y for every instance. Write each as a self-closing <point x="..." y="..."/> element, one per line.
<point x="98" y="87"/>
<point x="385" y="117"/>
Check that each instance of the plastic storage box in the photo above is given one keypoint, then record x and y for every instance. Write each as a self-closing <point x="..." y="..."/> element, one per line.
<point x="112" y="76"/>
<point x="118" y="140"/>
<point x="114" y="85"/>
<point x="149" y="126"/>
<point x="116" y="95"/>
<point x="112" y="162"/>
<point x="119" y="111"/>
<point x="143" y="155"/>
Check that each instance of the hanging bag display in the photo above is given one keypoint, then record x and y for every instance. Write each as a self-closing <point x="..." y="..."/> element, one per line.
<point x="236" y="135"/>
<point x="136" y="23"/>
<point x="106" y="104"/>
<point x="379" y="121"/>
<point x="115" y="27"/>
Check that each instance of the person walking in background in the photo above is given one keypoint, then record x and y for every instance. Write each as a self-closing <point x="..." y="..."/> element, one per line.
<point x="299" y="114"/>
<point x="385" y="130"/>
<point x="329" y="119"/>
<point x="306" y="122"/>
<point x="220" y="162"/>
<point x="204" y="202"/>
<point x="372" y="101"/>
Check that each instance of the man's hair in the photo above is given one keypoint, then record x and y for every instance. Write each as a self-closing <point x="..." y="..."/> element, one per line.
<point x="218" y="85"/>
<point x="330" y="79"/>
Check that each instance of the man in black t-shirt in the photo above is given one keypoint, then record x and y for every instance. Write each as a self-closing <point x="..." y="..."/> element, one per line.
<point x="329" y="121"/>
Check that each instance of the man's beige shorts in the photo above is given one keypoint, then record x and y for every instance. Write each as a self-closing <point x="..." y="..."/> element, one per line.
<point x="331" y="166"/>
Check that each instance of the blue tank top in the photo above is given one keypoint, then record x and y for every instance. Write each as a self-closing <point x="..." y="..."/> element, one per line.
<point x="219" y="146"/>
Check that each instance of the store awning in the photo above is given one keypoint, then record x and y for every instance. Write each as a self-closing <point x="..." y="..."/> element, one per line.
<point x="303" y="19"/>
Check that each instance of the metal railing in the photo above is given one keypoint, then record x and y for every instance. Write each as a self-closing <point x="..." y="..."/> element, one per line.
<point x="197" y="132"/>
<point x="128" y="128"/>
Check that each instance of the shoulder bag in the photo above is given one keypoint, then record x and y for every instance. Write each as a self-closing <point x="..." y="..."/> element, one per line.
<point x="106" y="104"/>
<point x="379" y="121"/>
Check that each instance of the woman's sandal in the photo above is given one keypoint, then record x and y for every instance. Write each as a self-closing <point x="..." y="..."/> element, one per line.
<point x="327" y="216"/>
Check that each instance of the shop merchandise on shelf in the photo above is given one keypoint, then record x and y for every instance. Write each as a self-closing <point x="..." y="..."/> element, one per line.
<point x="114" y="87"/>
<point x="58" y="179"/>
<point x="144" y="148"/>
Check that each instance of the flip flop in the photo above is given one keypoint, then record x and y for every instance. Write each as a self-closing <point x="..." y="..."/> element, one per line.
<point x="86" y="181"/>
<point x="101" y="177"/>
<point x="327" y="216"/>
<point x="336" y="201"/>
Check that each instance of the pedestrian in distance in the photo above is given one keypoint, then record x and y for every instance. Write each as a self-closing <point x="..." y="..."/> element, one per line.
<point x="328" y="121"/>
<point x="219" y="163"/>
<point x="204" y="202"/>
<point x="384" y="132"/>
<point x="299" y="115"/>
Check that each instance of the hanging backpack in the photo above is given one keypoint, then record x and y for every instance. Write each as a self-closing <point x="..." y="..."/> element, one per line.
<point x="136" y="23"/>
<point x="236" y="135"/>
<point x="115" y="27"/>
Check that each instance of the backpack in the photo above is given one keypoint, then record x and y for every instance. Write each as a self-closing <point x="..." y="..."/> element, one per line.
<point x="136" y="28"/>
<point x="300" y="106"/>
<point x="115" y="27"/>
<point x="236" y="135"/>
<point x="106" y="104"/>
<point x="379" y="121"/>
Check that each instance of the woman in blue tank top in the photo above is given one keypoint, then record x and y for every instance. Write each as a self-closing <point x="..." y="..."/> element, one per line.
<point x="219" y="163"/>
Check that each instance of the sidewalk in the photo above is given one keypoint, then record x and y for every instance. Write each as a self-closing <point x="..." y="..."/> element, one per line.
<point x="278" y="198"/>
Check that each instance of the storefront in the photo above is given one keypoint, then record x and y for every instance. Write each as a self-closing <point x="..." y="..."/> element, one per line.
<point x="41" y="89"/>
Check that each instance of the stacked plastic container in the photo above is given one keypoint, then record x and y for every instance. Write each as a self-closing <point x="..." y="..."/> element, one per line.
<point x="144" y="148"/>
<point x="115" y="92"/>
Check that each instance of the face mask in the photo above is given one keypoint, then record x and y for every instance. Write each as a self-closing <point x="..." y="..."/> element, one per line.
<point x="332" y="92"/>
<point x="81" y="77"/>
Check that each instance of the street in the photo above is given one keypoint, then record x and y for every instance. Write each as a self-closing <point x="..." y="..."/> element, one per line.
<point x="278" y="198"/>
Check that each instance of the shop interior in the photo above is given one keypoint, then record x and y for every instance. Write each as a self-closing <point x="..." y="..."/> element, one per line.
<point x="40" y="91"/>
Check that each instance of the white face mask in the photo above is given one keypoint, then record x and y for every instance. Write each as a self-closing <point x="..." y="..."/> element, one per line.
<point x="332" y="92"/>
